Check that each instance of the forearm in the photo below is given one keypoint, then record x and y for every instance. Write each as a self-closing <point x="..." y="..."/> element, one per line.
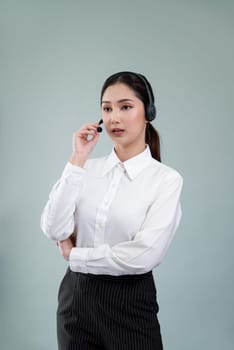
<point x="140" y="255"/>
<point x="57" y="220"/>
<point x="148" y="247"/>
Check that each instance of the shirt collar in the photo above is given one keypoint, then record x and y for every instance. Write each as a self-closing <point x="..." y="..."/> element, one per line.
<point x="133" y="166"/>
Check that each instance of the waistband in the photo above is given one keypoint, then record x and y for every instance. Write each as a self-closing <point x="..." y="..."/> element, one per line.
<point x="117" y="278"/>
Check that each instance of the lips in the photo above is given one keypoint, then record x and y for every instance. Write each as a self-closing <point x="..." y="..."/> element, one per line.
<point x="117" y="130"/>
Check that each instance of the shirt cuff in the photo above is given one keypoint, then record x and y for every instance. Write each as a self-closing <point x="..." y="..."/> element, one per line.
<point x="72" y="174"/>
<point x="72" y="169"/>
<point x="78" y="259"/>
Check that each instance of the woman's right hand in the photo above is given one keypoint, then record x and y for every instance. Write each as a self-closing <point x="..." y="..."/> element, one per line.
<point x="82" y="144"/>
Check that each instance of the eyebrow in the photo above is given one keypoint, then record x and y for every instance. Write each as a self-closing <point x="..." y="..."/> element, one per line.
<point x="122" y="100"/>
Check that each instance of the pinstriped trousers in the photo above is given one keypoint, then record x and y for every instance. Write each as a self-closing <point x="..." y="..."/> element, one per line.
<point x="106" y="312"/>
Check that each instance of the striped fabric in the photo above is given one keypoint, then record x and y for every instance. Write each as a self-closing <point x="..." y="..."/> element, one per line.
<point x="108" y="312"/>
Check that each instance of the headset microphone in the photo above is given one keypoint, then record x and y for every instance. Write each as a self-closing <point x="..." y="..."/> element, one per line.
<point x="99" y="128"/>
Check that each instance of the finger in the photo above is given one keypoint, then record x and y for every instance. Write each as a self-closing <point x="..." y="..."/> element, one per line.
<point x="87" y="137"/>
<point x="85" y="132"/>
<point x="86" y="128"/>
<point x="90" y="126"/>
<point x="95" y="138"/>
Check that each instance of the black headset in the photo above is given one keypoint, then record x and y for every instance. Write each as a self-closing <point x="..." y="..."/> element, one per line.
<point x="150" y="109"/>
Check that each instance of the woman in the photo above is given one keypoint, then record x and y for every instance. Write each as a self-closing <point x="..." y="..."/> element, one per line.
<point x="113" y="218"/>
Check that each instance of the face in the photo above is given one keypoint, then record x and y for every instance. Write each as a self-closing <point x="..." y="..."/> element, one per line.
<point x="123" y="115"/>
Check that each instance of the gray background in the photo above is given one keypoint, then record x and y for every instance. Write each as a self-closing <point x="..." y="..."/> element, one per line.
<point x="55" y="56"/>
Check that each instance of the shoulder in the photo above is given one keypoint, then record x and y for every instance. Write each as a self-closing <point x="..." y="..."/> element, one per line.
<point x="166" y="172"/>
<point x="95" y="164"/>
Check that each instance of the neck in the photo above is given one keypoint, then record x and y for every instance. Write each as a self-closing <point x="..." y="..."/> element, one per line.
<point x="125" y="153"/>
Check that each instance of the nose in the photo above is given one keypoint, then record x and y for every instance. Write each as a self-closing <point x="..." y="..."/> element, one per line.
<point x="115" y="118"/>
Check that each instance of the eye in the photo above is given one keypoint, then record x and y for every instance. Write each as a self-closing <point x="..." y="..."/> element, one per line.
<point x="106" y="109"/>
<point x="126" y="107"/>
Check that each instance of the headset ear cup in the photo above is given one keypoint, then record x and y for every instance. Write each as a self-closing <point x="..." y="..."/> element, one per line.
<point x="151" y="112"/>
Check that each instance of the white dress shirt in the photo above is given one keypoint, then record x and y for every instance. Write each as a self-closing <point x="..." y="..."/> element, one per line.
<point x="124" y="214"/>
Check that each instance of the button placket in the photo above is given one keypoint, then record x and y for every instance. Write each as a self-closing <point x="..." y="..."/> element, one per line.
<point x="103" y="209"/>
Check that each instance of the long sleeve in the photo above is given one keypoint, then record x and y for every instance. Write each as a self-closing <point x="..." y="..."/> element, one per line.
<point x="148" y="247"/>
<point x="57" y="219"/>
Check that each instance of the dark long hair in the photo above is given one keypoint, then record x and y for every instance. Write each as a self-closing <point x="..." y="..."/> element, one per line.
<point x="137" y="84"/>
